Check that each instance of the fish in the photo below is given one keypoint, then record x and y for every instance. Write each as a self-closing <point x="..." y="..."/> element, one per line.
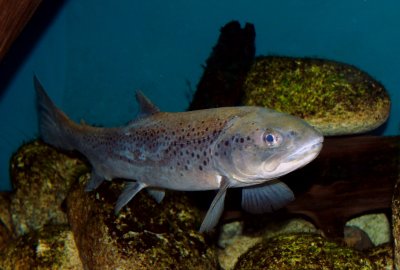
<point x="244" y="147"/>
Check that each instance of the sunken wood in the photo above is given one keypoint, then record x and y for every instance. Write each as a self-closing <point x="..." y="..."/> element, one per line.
<point x="226" y="68"/>
<point x="350" y="177"/>
<point x="14" y="14"/>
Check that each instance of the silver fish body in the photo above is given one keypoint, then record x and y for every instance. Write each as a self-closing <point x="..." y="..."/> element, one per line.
<point x="211" y="149"/>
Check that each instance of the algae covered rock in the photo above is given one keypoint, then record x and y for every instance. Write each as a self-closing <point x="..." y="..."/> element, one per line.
<point x="301" y="251"/>
<point x="236" y="243"/>
<point x="41" y="177"/>
<point x="5" y="220"/>
<point x="381" y="256"/>
<point x="334" y="97"/>
<point x="145" y="234"/>
<point x="396" y="224"/>
<point x="52" y="247"/>
<point x="376" y="226"/>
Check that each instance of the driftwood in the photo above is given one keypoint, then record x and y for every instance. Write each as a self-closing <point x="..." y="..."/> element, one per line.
<point x="13" y="17"/>
<point x="226" y="68"/>
<point x="351" y="176"/>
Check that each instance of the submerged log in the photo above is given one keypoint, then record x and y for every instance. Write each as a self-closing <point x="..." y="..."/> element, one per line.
<point x="226" y="68"/>
<point x="13" y="17"/>
<point x="350" y="177"/>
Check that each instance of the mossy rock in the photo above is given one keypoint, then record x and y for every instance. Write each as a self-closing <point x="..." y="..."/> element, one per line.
<point x="51" y="247"/>
<point x="41" y="177"/>
<point x="396" y="223"/>
<point x="382" y="256"/>
<point x="336" y="98"/>
<point x="144" y="235"/>
<point x="302" y="251"/>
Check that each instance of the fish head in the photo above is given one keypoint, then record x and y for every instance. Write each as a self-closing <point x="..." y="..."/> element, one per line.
<point x="264" y="144"/>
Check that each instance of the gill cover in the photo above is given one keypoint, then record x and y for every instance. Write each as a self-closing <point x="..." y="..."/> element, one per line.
<point x="249" y="148"/>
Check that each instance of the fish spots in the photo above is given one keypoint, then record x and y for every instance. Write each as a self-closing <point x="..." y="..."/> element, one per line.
<point x="190" y="147"/>
<point x="182" y="146"/>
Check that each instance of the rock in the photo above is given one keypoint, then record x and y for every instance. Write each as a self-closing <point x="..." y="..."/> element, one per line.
<point x="301" y="251"/>
<point x="376" y="226"/>
<point x="396" y="224"/>
<point x="52" y="247"/>
<point x="381" y="256"/>
<point x="145" y="235"/>
<point x="356" y="238"/>
<point x="229" y="231"/>
<point x="5" y="236"/>
<point x="239" y="245"/>
<point x="41" y="177"/>
<point x="5" y="215"/>
<point x="336" y="98"/>
<point x="5" y="220"/>
<point x="234" y="243"/>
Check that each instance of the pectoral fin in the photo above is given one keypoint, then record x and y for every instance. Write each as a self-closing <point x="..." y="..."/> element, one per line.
<point x="216" y="208"/>
<point x="157" y="194"/>
<point x="131" y="189"/>
<point x="266" y="198"/>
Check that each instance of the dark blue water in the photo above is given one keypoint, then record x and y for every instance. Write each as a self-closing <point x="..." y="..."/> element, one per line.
<point x="92" y="55"/>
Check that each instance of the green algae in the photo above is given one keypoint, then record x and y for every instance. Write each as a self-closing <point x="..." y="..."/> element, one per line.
<point x="316" y="89"/>
<point x="41" y="178"/>
<point x="144" y="235"/>
<point x="52" y="247"/>
<point x="301" y="251"/>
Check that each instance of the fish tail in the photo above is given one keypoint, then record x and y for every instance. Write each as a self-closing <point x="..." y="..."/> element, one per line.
<point x="55" y="127"/>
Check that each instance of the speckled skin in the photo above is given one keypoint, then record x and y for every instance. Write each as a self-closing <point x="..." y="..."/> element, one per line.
<point x="168" y="150"/>
<point x="191" y="150"/>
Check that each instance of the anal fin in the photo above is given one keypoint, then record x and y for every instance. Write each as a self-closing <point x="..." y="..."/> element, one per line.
<point x="157" y="194"/>
<point x="131" y="189"/>
<point x="267" y="197"/>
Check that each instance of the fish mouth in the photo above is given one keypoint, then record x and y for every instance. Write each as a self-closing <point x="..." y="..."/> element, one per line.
<point x="301" y="157"/>
<point x="308" y="151"/>
<point x="295" y="160"/>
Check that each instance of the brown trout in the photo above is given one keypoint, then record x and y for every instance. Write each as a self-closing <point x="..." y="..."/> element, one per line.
<point x="213" y="149"/>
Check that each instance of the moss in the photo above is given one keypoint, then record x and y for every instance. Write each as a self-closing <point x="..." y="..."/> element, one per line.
<point x="52" y="247"/>
<point x="382" y="256"/>
<point x="143" y="235"/>
<point x="41" y="177"/>
<point x="315" y="89"/>
<point x="301" y="251"/>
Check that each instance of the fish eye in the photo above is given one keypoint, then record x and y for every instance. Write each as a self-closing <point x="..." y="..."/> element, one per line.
<point x="271" y="138"/>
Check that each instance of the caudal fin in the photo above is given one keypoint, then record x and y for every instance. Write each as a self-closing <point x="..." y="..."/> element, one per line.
<point x="54" y="126"/>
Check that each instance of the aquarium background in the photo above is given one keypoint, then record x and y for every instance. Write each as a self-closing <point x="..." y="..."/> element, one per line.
<point x="91" y="55"/>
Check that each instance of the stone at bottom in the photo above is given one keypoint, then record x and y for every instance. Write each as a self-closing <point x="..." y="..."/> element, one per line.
<point x="302" y="251"/>
<point x="52" y="247"/>
<point x="145" y="234"/>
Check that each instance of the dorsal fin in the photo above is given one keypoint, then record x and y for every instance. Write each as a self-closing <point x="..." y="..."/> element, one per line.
<point x="146" y="106"/>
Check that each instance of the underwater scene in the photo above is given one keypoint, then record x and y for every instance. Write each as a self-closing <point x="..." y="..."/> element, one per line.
<point x="200" y="135"/>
